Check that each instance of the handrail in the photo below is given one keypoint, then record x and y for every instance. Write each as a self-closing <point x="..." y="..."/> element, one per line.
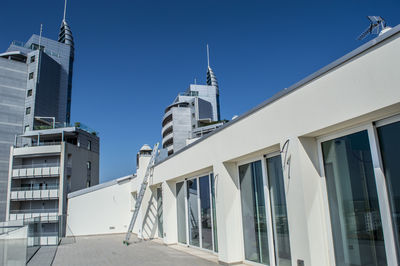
<point x="44" y="187"/>
<point x="34" y="211"/>
<point x="43" y="165"/>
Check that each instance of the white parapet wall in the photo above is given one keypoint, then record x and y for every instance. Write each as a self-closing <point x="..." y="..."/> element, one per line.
<point x="101" y="209"/>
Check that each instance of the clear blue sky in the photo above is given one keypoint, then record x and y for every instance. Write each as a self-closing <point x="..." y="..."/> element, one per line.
<point x="133" y="57"/>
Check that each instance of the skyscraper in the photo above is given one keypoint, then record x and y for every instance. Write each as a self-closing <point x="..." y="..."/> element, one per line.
<point x="35" y="89"/>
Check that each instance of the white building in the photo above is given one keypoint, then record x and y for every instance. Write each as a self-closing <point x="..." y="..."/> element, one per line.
<point x="309" y="177"/>
<point x="46" y="165"/>
<point x="193" y="114"/>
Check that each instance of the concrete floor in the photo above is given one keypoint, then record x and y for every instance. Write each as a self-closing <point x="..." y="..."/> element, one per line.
<point x="109" y="250"/>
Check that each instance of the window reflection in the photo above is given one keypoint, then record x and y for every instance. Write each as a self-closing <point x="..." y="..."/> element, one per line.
<point x="353" y="201"/>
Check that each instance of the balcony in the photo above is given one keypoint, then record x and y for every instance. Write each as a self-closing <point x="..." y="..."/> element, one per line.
<point x="35" y="172"/>
<point x="44" y="215"/>
<point x="167" y="126"/>
<point x="167" y="138"/>
<point x="167" y="114"/>
<point x="19" y="194"/>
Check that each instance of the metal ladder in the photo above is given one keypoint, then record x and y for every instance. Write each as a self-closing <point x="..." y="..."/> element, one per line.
<point x="149" y="171"/>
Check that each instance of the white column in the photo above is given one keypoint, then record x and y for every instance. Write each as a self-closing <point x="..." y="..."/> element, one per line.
<point x="228" y="209"/>
<point x="169" y="213"/>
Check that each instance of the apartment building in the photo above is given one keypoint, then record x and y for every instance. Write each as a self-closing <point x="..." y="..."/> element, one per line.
<point x="46" y="165"/>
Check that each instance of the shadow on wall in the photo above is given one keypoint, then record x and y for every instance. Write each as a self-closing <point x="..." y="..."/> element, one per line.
<point x="149" y="228"/>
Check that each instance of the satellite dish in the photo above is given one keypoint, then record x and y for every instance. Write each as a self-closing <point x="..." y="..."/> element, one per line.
<point x="377" y="25"/>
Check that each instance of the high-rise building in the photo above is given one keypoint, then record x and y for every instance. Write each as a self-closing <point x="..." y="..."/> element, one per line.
<point x="193" y="114"/>
<point x="35" y="88"/>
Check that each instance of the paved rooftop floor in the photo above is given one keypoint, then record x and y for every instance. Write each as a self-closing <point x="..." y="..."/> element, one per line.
<point x="109" y="250"/>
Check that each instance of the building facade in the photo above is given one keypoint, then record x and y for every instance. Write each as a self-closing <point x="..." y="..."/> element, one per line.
<point x="309" y="177"/>
<point x="35" y="82"/>
<point x="54" y="163"/>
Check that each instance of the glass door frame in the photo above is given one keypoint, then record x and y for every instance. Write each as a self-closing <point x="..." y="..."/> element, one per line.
<point x="197" y="177"/>
<point x="381" y="188"/>
<point x="271" y="248"/>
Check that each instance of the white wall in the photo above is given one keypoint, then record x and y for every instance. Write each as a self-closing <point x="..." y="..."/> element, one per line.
<point x="103" y="211"/>
<point x="361" y="90"/>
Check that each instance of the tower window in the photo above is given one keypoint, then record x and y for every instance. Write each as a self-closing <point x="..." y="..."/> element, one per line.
<point x="89" y="165"/>
<point x="31" y="75"/>
<point x="26" y="128"/>
<point x="32" y="59"/>
<point x="89" y="145"/>
<point x="29" y="93"/>
<point x="28" y="110"/>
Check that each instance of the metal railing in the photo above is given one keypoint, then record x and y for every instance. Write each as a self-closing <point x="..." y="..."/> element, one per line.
<point x="34" y="211"/>
<point x="47" y="51"/>
<point x="35" y="188"/>
<point x="36" y="165"/>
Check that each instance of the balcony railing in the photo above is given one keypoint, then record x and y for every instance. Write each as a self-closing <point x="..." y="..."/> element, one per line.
<point x="36" y="172"/>
<point x="35" y="187"/>
<point x="43" y="215"/>
<point x="36" y="165"/>
<point x="35" y="194"/>
<point x="37" y="144"/>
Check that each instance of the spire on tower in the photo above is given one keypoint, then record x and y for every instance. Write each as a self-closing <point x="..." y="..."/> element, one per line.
<point x="211" y="78"/>
<point x="65" y="35"/>
<point x="65" y="9"/>
<point x="208" y="56"/>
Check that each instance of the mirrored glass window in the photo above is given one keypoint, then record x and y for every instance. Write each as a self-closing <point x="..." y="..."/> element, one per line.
<point x="279" y="212"/>
<point x="389" y="142"/>
<point x="353" y="201"/>
<point x="253" y="213"/>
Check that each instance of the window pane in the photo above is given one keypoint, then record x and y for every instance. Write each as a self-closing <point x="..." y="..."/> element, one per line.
<point x="253" y="213"/>
<point x="214" y="213"/>
<point x="180" y="202"/>
<point x="390" y="147"/>
<point x="279" y="212"/>
<point x="206" y="228"/>
<point x="353" y="201"/>
<point x="193" y="212"/>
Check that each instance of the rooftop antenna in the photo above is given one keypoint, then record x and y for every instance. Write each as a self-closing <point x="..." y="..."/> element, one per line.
<point x="208" y="56"/>
<point x="195" y="81"/>
<point x="377" y="26"/>
<point x="40" y="34"/>
<point x="65" y="9"/>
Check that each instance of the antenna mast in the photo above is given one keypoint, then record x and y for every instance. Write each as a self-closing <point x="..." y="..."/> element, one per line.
<point x="208" y="56"/>
<point x="65" y="9"/>
<point x="40" y="35"/>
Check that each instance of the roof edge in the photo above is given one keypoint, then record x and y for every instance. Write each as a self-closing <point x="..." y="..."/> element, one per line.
<point x="99" y="186"/>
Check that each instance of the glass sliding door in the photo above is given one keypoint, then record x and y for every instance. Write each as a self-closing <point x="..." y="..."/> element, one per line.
<point x="253" y="212"/>
<point x="389" y="143"/>
<point x="160" y="213"/>
<point x="205" y="210"/>
<point x="193" y="212"/>
<point x="353" y="201"/>
<point x="214" y="213"/>
<point x="278" y="211"/>
<point x="181" y="212"/>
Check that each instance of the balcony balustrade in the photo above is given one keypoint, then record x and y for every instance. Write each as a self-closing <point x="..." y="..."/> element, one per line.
<point x="49" y="192"/>
<point x="29" y="172"/>
<point x="44" y="215"/>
